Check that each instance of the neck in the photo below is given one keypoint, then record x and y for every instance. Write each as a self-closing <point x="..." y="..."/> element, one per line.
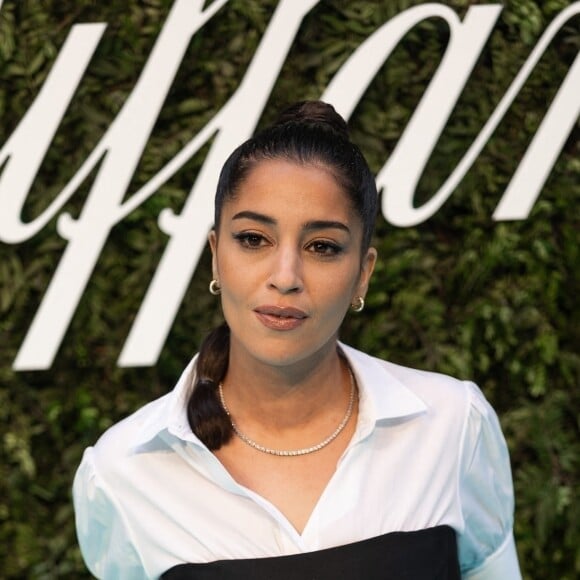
<point x="279" y="398"/>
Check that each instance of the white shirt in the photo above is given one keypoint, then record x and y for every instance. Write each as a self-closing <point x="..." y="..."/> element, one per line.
<point x="427" y="450"/>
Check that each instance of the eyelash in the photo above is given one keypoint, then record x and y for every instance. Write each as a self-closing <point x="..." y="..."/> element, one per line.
<point x="248" y="240"/>
<point x="255" y="241"/>
<point x="329" y="249"/>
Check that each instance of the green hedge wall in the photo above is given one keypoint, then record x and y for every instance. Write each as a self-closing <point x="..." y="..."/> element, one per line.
<point x="460" y="293"/>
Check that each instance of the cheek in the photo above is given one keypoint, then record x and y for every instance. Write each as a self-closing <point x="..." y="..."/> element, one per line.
<point x="239" y="284"/>
<point x="229" y="272"/>
<point x="338" y="289"/>
<point x="234" y="309"/>
<point x="233" y="295"/>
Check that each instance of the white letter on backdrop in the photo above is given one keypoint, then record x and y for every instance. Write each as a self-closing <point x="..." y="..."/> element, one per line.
<point x="236" y="122"/>
<point x="400" y="175"/>
<point x="532" y="172"/>
<point x="120" y="150"/>
<point x="25" y="149"/>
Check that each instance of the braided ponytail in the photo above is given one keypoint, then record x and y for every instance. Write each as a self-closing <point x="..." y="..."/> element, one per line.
<point x="205" y="414"/>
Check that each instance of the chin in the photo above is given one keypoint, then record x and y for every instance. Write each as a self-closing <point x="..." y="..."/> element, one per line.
<point x="283" y="353"/>
<point x="280" y="357"/>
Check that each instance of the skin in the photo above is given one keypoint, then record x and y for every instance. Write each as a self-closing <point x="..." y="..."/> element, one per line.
<point x="289" y="239"/>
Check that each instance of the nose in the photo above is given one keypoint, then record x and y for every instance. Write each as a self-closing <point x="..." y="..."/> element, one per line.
<point x="286" y="271"/>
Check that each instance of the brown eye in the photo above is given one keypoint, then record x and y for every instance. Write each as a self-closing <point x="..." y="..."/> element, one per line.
<point x="250" y="240"/>
<point x="325" y="248"/>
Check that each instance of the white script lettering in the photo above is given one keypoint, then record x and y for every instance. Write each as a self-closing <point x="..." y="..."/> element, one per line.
<point x="121" y="147"/>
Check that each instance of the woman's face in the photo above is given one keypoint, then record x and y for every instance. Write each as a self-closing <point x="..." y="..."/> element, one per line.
<point x="288" y="260"/>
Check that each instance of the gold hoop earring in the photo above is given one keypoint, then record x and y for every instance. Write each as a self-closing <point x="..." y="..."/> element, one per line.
<point x="358" y="304"/>
<point x="214" y="288"/>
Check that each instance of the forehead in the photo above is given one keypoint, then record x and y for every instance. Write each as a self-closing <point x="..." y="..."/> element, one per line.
<point x="291" y="189"/>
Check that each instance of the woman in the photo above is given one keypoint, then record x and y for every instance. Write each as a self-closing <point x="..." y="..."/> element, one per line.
<point x="282" y="453"/>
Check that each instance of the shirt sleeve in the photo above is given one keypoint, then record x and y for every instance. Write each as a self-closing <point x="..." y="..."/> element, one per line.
<point x="103" y="536"/>
<point x="486" y="545"/>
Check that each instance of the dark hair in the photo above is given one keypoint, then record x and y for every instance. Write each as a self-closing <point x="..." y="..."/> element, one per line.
<point x="205" y="414"/>
<point x="306" y="133"/>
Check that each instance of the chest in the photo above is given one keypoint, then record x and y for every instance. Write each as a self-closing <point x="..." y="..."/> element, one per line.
<point x="294" y="485"/>
<point x="328" y="498"/>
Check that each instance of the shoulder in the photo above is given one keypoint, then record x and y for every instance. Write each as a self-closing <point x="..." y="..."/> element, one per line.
<point x="432" y="405"/>
<point x="106" y="486"/>
<point x="423" y="380"/>
<point x="141" y="428"/>
<point x="436" y="390"/>
<point x="113" y="455"/>
<point x="127" y="431"/>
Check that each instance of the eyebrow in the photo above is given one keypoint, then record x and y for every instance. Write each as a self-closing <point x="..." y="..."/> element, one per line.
<point x="326" y="225"/>
<point x="308" y="226"/>
<point x="258" y="217"/>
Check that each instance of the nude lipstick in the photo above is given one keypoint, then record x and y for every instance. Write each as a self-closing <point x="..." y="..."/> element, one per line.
<point x="280" y="317"/>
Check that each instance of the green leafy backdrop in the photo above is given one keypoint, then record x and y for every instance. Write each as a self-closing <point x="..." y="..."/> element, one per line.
<point x="461" y="294"/>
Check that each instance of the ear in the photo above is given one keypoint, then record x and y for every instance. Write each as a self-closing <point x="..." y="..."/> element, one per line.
<point x="368" y="265"/>
<point x="212" y="239"/>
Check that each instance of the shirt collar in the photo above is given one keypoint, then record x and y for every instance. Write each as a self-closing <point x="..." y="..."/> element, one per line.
<point x="382" y="396"/>
<point x="170" y="412"/>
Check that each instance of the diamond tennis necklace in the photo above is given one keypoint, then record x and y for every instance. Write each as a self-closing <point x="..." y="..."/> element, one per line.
<point x="294" y="452"/>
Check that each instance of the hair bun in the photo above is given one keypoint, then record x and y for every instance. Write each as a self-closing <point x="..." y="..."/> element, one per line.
<point x="316" y="113"/>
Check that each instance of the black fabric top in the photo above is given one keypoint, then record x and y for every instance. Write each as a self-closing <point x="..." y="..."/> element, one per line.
<point x="429" y="554"/>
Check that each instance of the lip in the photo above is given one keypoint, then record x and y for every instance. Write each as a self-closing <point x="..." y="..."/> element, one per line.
<point x="280" y="317"/>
